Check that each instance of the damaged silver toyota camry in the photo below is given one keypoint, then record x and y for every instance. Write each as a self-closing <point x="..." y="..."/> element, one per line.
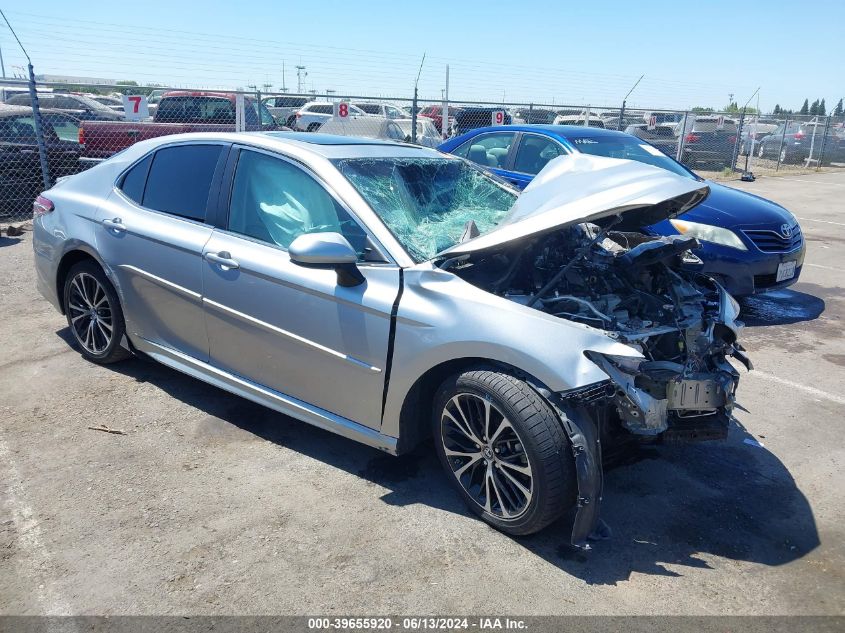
<point x="389" y="293"/>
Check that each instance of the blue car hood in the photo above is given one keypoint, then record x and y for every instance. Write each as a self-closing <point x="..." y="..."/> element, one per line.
<point x="730" y="208"/>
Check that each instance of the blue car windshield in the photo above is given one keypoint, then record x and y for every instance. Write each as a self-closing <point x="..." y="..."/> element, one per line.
<point x="427" y="202"/>
<point x="629" y="148"/>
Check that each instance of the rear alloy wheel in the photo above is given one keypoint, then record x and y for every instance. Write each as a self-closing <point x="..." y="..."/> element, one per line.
<point x="761" y="152"/>
<point x="93" y="314"/>
<point x="505" y="450"/>
<point x="783" y="156"/>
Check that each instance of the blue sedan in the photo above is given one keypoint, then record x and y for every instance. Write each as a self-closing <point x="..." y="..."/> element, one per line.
<point x="749" y="244"/>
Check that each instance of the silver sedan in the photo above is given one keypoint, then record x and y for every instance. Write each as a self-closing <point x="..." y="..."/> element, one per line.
<point x="389" y="293"/>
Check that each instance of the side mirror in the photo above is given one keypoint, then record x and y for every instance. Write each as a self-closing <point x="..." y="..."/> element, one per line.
<point x="327" y="250"/>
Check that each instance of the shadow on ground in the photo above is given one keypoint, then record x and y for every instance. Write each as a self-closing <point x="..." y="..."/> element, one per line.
<point x="666" y="505"/>
<point x="780" y="307"/>
<point x="8" y="241"/>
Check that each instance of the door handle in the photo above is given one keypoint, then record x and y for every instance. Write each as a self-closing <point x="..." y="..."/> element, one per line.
<point x="115" y="224"/>
<point x="223" y="258"/>
<point x="27" y="151"/>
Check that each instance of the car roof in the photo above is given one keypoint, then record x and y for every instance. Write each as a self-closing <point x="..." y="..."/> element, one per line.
<point x="319" y="145"/>
<point x="560" y="131"/>
<point x="12" y="110"/>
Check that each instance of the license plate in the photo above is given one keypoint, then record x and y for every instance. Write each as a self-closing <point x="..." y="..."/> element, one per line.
<point x="786" y="270"/>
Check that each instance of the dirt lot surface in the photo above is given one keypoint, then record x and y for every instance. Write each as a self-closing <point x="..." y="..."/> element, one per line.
<point x="212" y="505"/>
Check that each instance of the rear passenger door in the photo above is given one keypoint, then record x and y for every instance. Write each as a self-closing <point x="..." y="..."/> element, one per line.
<point x="151" y="237"/>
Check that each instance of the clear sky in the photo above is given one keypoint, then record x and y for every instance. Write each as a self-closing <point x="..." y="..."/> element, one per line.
<point x="691" y="53"/>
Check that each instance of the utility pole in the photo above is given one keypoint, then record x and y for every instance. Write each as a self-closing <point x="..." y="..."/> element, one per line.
<point x="284" y="87"/>
<point x="444" y="113"/>
<point x="414" y="104"/>
<point x="299" y="75"/>
<point x="622" y="111"/>
<point x="36" y="112"/>
<point x="2" y="65"/>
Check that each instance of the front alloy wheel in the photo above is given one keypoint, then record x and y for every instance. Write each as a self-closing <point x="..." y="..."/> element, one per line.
<point x="486" y="455"/>
<point x="504" y="449"/>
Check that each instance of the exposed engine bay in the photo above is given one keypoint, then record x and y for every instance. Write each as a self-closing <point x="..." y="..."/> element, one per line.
<point x="644" y="292"/>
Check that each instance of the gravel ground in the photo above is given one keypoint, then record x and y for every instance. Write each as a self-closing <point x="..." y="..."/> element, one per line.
<point x="212" y="505"/>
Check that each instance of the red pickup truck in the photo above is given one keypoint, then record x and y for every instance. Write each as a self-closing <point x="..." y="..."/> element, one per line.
<point x="177" y="112"/>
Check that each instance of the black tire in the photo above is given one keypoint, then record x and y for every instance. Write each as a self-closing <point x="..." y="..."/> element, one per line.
<point x="540" y="442"/>
<point x="291" y="122"/>
<point x="313" y="127"/>
<point x="761" y="151"/>
<point x="79" y="292"/>
<point x="785" y="157"/>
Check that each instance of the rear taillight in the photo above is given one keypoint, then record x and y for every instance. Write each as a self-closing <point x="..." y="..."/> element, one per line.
<point x="81" y="135"/>
<point x="799" y="136"/>
<point x="42" y="206"/>
<point x="731" y="139"/>
<point x="299" y="115"/>
<point x="691" y="138"/>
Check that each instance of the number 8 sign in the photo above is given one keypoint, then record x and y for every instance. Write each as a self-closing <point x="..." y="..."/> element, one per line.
<point x="341" y="109"/>
<point x="498" y="117"/>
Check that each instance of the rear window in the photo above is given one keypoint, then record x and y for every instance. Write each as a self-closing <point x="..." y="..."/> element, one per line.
<point x="370" y="108"/>
<point x="195" y="110"/>
<point x="180" y="179"/>
<point x="321" y="108"/>
<point x="712" y="125"/>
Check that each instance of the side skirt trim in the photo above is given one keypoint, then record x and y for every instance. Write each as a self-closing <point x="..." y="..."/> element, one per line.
<point x="267" y="397"/>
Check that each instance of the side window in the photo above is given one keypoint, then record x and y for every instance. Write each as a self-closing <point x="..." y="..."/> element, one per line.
<point x="488" y="150"/>
<point x="135" y="179"/>
<point x="180" y="179"/>
<point x="395" y="132"/>
<point x="67" y="103"/>
<point x="65" y="127"/>
<point x="19" y="129"/>
<point x="534" y="152"/>
<point x="275" y="202"/>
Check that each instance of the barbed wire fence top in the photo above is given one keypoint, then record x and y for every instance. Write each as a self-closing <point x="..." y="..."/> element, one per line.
<point x="82" y="124"/>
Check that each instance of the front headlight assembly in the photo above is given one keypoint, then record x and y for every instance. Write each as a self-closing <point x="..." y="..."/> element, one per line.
<point x="709" y="233"/>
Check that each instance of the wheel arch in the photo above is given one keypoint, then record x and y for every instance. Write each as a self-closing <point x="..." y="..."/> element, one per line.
<point x="78" y="253"/>
<point x="415" y="413"/>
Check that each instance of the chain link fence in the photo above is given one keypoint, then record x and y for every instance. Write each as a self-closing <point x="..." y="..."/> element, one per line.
<point x="81" y="125"/>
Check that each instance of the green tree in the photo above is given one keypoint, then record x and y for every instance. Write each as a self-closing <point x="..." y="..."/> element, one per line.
<point x="814" y="108"/>
<point x="701" y="110"/>
<point x="805" y="109"/>
<point x="129" y="86"/>
<point x="822" y="109"/>
<point x="777" y="109"/>
<point x="837" y="111"/>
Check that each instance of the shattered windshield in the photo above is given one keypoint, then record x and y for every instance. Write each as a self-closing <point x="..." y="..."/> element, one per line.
<point x="427" y="202"/>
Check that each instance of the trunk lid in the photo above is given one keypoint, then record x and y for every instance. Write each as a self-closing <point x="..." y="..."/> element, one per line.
<point x="583" y="188"/>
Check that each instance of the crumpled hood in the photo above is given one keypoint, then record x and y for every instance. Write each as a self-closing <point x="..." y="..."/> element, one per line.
<point x="582" y="188"/>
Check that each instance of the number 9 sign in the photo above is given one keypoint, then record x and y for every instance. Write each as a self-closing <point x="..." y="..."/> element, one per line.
<point x="498" y="117"/>
<point x="341" y="109"/>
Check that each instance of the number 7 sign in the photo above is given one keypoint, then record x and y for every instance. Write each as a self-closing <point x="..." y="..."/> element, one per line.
<point x="135" y="107"/>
